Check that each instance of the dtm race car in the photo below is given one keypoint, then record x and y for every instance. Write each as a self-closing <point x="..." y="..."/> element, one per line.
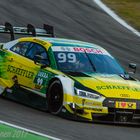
<point x="71" y="78"/>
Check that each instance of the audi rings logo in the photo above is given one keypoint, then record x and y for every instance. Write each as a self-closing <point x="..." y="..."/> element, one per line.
<point x="125" y="95"/>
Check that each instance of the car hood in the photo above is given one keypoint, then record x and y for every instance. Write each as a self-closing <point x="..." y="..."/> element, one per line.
<point x="112" y="86"/>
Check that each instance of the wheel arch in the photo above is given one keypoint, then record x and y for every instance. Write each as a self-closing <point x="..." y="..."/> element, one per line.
<point x="66" y="82"/>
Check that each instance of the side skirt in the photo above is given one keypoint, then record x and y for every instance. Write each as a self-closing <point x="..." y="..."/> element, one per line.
<point x="26" y="97"/>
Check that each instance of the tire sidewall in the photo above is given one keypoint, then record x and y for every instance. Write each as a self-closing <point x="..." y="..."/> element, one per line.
<point x="49" y="95"/>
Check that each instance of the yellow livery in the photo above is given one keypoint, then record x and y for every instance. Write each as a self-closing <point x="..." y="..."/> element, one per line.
<point x="75" y="79"/>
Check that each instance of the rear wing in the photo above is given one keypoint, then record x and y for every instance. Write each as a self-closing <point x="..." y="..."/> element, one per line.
<point x="30" y="30"/>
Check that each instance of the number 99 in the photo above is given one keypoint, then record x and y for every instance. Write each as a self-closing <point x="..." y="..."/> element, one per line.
<point x="63" y="57"/>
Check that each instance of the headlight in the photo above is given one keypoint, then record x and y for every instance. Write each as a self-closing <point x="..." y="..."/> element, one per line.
<point x="87" y="94"/>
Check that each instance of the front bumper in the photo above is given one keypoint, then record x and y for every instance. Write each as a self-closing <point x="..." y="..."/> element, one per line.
<point x="119" y="116"/>
<point x="107" y="113"/>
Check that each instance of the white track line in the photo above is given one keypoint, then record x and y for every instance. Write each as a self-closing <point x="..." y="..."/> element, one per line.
<point x="28" y="130"/>
<point x="115" y="16"/>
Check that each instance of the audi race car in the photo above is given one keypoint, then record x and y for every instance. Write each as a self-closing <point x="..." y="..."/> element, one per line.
<point x="71" y="78"/>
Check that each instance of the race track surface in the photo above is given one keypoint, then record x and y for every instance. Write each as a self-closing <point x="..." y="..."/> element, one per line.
<point x="74" y="19"/>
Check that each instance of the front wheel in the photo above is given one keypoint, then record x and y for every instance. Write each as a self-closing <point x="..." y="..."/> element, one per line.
<point x="55" y="97"/>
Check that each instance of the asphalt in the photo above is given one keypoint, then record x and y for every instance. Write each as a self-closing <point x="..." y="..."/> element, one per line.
<point x="74" y="19"/>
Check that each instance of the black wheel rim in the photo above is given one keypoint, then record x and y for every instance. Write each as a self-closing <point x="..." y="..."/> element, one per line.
<point x="56" y="98"/>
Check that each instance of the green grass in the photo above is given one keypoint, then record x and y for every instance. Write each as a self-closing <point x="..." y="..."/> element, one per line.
<point x="129" y="10"/>
<point x="11" y="133"/>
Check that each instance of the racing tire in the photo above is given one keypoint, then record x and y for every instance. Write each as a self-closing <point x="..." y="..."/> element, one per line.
<point x="55" y="97"/>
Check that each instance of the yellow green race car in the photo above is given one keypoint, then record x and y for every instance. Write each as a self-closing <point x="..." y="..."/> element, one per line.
<point x="71" y="78"/>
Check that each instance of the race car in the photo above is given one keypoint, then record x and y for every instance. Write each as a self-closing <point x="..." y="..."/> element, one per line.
<point x="74" y="79"/>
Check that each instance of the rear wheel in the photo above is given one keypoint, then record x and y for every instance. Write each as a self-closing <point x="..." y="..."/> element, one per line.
<point x="55" y="97"/>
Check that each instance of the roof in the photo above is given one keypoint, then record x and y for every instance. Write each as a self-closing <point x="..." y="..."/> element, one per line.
<point x="68" y="42"/>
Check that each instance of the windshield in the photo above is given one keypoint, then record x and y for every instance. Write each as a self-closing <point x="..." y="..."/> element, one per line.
<point x="89" y="60"/>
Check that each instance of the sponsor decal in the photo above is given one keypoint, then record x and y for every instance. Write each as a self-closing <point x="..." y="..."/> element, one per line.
<point x="80" y="50"/>
<point x="16" y="83"/>
<point x="125" y="105"/>
<point x="125" y="95"/>
<point x="94" y="109"/>
<point x="112" y="87"/>
<point x="84" y="102"/>
<point x="15" y="79"/>
<point x="65" y="49"/>
<point x="90" y="103"/>
<point x="19" y="71"/>
<point x="88" y="50"/>
<point x="41" y="79"/>
<point x="42" y="74"/>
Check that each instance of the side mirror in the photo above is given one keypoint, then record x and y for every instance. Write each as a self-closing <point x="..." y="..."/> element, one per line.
<point x="39" y="60"/>
<point x="133" y="66"/>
